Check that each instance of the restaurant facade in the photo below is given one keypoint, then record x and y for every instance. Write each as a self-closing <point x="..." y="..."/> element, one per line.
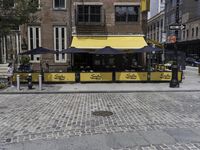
<point x="89" y="26"/>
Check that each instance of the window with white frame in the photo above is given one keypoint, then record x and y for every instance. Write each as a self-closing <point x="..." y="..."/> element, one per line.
<point x="60" y="43"/>
<point x="34" y="40"/>
<point x="59" y="4"/>
<point x="126" y="13"/>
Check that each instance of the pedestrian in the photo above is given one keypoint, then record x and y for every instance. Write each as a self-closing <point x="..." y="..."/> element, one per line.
<point x="10" y="74"/>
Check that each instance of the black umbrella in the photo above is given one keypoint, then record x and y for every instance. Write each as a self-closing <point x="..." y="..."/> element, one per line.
<point x="148" y="49"/>
<point x="107" y="51"/>
<point x="73" y="50"/>
<point x="39" y="50"/>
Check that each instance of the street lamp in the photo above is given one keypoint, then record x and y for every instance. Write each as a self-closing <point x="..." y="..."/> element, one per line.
<point x="174" y="83"/>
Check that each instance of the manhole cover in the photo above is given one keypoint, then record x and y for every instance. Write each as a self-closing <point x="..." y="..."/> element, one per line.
<point x="3" y="107"/>
<point x="102" y="113"/>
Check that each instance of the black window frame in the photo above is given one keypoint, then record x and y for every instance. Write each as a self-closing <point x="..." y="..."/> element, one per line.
<point x="59" y="4"/>
<point x="135" y="17"/>
<point x="88" y="17"/>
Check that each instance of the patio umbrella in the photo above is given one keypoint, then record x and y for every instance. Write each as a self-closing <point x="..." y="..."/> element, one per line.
<point x="107" y="51"/>
<point x="73" y="50"/>
<point x="148" y="49"/>
<point x="39" y="50"/>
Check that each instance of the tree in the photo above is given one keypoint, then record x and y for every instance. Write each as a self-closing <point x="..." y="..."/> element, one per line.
<point x="14" y="13"/>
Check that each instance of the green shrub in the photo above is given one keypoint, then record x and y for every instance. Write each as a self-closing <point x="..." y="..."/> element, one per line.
<point x="2" y="85"/>
<point x="24" y="60"/>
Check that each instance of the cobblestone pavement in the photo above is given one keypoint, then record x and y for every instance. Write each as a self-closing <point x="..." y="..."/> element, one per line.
<point x="34" y="117"/>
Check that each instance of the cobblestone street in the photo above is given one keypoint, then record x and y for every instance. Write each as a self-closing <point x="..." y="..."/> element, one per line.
<point x="165" y="120"/>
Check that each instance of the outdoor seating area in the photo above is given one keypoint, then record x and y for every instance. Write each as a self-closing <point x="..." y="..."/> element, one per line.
<point x="107" y="64"/>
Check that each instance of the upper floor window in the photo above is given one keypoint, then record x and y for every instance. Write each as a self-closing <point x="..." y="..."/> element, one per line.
<point x="89" y="13"/>
<point x="183" y="34"/>
<point x="192" y="32"/>
<point x="59" y="4"/>
<point x="187" y="33"/>
<point x="197" y="31"/>
<point x="126" y="13"/>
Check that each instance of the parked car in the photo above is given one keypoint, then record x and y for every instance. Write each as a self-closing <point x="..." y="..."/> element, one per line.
<point x="192" y="62"/>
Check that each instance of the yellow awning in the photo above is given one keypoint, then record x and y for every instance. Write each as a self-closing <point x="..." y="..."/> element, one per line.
<point x="118" y="42"/>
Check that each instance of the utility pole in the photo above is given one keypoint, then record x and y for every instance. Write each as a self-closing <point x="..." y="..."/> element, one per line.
<point x="174" y="83"/>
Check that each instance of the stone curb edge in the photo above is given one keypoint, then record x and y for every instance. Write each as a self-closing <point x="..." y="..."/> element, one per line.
<point x="77" y="92"/>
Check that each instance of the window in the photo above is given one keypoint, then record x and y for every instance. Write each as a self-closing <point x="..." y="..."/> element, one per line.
<point x="126" y="13"/>
<point x="184" y="34"/>
<point x="187" y="33"/>
<point x="59" y="4"/>
<point x="89" y="13"/>
<point x="60" y="43"/>
<point x="197" y="31"/>
<point x="192" y="32"/>
<point x="34" y="40"/>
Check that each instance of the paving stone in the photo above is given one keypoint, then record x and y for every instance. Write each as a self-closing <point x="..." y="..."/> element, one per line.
<point x="183" y="135"/>
<point x="157" y="137"/>
<point x="30" y="117"/>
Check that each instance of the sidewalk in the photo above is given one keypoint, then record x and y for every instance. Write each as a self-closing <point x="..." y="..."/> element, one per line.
<point x="191" y="82"/>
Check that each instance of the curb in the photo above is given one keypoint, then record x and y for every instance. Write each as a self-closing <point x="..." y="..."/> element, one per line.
<point x="79" y="92"/>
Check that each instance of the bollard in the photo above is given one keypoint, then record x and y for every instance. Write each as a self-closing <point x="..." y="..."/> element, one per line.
<point x="40" y="82"/>
<point x="18" y="82"/>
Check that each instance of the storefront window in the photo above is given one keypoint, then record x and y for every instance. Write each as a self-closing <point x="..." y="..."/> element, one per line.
<point x="126" y="13"/>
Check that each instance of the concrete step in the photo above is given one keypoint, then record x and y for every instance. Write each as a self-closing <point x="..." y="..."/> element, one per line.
<point x="3" y="65"/>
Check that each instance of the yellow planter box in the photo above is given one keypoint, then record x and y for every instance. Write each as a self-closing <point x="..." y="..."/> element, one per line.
<point x="96" y="76"/>
<point x="23" y="77"/>
<point x="131" y="76"/>
<point x="59" y="77"/>
<point x="164" y="76"/>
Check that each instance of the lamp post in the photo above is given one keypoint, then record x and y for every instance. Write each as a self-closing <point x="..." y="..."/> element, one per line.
<point x="174" y="83"/>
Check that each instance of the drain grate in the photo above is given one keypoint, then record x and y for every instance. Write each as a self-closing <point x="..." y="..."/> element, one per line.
<point x="102" y="113"/>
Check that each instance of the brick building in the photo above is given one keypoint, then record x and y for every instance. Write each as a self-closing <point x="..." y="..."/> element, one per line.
<point x="60" y="23"/>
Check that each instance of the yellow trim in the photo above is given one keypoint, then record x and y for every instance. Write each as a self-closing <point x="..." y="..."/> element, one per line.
<point x="145" y="5"/>
<point x="118" y="42"/>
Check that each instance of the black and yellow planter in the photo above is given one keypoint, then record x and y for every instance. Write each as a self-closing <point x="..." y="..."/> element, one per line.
<point x="130" y="76"/>
<point x="164" y="76"/>
<point x="23" y="77"/>
<point x="59" y="77"/>
<point x="96" y="77"/>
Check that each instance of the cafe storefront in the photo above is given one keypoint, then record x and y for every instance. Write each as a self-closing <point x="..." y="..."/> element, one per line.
<point x="115" y="62"/>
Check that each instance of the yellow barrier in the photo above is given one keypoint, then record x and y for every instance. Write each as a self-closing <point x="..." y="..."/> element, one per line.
<point x="131" y="76"/>
<point x="23" y="77"/>
<point x="164" y="76"/>
<point x="59" y="77"/>
<point x="95" y="76"/>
